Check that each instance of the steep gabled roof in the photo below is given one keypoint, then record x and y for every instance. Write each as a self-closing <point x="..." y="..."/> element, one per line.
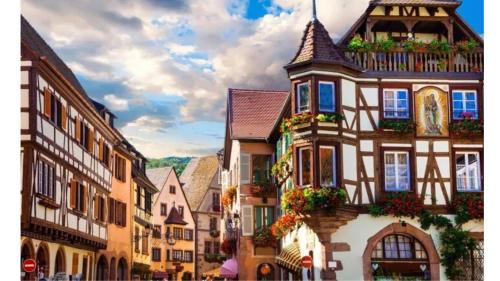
<point x="253" y="114"/>
<point x="197" y="177"/>
<point x="435" y="3"/>
<point x="317" y="46"/>
<point x="158" y="176"/>
<point x="174" y="217"/>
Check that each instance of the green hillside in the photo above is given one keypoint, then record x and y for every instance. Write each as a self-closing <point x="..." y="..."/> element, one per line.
<point x="178" y="162"/>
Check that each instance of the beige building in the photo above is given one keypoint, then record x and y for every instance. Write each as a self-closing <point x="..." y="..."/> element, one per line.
<point x="173" y="241"/>
<point x="202" y="183"/>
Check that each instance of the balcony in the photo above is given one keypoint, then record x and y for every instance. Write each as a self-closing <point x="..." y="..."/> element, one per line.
<point x="401" y="60"/>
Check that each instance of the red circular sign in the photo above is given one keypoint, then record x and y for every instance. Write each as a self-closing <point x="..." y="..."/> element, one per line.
<point x="306" y="261"/>
<point x="29" y="265"/>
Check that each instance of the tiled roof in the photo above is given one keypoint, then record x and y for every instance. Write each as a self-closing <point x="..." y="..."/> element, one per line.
<point x="158" y="176"/>
<point x="174" y="217"/>
<point x="318" y="46"/>
<point x="253" y="114"/>
<point x="416" y="2"/>
<point x="197" y="178"/>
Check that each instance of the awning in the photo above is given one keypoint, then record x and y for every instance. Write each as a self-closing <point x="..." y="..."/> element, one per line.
<point x="229" y="269"/>
<point x="214" y="272"/>
<point x="289" y="257"/>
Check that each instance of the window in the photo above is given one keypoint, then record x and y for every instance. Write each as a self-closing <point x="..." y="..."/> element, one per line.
<point x="399" y="247"/>
<point x="120" y="213"/>
<point x="397" y="171"/>
<point x="213" y="224"/>
<point x="136" y="241"/>
<point x="104" y="156"/>
<point x="396" y="103"/>
<point x="264" y="216"/>
<point x="119" y="170"/>
<point x="208" y="247"/>
<point x="216" y="247"/>
<point x="54" y="110"/>
<point x="181" y="211"/>
<point x="111" y="210"/>
<point x="216" y="202"/>
<point x="101" y="213"/>
<point x="327" y="166"/>
<point x="85" y="135"/>
<point x="188" y="256"/>
<point x="188" y="234"/>
<point x="177" y="255"/>
<point x="46" y="176"/>
<point x="304" y="166"/>
<point x="261" y="168"/>
<point x="303" y="97"/>
<point x="464" y="101"/>
<point x="163" y="209"/>
<point x="138" y="197"/>
<point x="473" y="265"/>
<point x="145" y="240"/>
<point x="468" y="171"/>
<point x="147" y="201"/>
<point x="326" y="96"/>
<point x="157" y="231"/>
<point x="78" y="196"/>
<point x="172" y="189"/>
<point x="168" y="255"/>
<point x="156" y="254"/>
<point x="177" y="233"/>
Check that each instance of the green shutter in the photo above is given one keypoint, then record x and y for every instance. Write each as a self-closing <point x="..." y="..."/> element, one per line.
<point x="278" y="149"/>
<point x="258" y="217"/>
<point x="269" y="216"/>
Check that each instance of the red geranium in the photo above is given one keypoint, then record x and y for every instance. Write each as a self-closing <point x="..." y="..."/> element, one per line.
<point x="402" y="204"/>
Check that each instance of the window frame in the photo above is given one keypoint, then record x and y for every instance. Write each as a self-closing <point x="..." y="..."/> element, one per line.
<point x="189" y="237"/>
<point x="413" y="240"/>
<point x="334" y="149"/>
<point x="408" y="99"/>
<point x="334" y="95"/>
<point x="174" y="258"/>
<point x="154" y="251"/>
<point x="269" y="156"/>
<point x="297" y="97"/>
<point x="264" y="215"/>
<point x="463" y="92"/>
<point x="51" y="181"/>
<point x="467" y="87"/>
<point x="411" y="163"/>
<point x="172" y="189"/>
<point x="480" y="152"/>
<point x="299" y="165"/>
<point x="163" y="209"/>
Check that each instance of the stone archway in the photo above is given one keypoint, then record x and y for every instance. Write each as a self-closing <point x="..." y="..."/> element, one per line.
<point x="60" y="263"/>
<point x="102" y="269"/>
<point x="122" y="270"/>
<point x="43" y="260"/>
<point x="27" y="252"/>
<point x="398" y="228"/>
<point x="112" y="269"/>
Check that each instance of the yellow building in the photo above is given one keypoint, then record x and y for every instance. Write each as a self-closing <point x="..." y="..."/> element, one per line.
<point x="173" y="246"/>
<point x="142" y="219"/>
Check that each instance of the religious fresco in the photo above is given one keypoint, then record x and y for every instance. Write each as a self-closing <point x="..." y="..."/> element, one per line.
<point x="431" y="110"/>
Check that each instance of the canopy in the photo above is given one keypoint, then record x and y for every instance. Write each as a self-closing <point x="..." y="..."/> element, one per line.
<point x="289" y="257"/>
<point x="229" y="269"/>
<point x="215" y="272"/>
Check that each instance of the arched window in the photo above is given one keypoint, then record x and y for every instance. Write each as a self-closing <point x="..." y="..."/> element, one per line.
<point x="399" y="255"/>
<point x="265" y="271"/>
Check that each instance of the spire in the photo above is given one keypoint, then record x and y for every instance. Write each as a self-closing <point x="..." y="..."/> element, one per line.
<point x="314" y="10"/>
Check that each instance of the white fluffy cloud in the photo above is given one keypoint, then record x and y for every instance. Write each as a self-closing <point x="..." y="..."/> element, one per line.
<point x="115" y="103"/>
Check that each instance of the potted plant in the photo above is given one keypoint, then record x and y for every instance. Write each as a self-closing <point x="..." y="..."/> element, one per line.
<point x="263" y="237"/>
<point x="464" y="46"/>
<point x="442" y="64"/>
<point x="398" y="204"/>
<point x="400" y="126"/>
<point x="358" y="44"/>
<point x="384" y="45"/>
<point x="284" y="225"/>
<point x="330" y="117"/>
<point x="214" y="233"/>
<point x="468" y="207"/>
<point x="439" y="46"/>
<point x="467" y="127"/>
<point x="419" y="66"/>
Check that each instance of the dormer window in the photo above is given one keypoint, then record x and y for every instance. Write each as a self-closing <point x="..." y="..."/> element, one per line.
<point x="326" y="96"/>
<point x="303" y="103"/>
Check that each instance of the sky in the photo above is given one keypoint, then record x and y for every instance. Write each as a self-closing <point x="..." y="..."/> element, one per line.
<point x="164" y="66"/>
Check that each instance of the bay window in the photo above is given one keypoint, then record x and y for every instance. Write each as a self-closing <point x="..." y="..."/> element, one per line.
<point x="468" y="171"/>
<point x="397" y="170"/>
<point x="396" y="103"/>
<point x="302" y="93"/>
<point x="464" y="103"/>
<point x="327" y="166"/>
<point x="304" y="166"/>
<point x="326" y="94"/>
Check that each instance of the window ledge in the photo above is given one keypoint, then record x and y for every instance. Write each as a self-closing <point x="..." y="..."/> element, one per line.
<point x="48" y="202"/>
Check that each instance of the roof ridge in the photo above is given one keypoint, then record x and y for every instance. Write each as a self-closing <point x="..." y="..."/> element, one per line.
<point x="258" y="90"/>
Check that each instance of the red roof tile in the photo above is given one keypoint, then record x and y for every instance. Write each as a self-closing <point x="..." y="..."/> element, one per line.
<point x="253" y="114"/>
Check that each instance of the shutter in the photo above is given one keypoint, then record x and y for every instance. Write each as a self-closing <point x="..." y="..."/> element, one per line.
<point x="96" y="206"/>
<point x="78" y="129"/>
<point x="72" y="201"/>
<point x="64" y="118"/>
<point x="101" y="149"/>
<point x="124" y="215"/>
<point x="247" y="220"/>
<point x="258" y="217"/>
<point x="74" y="266"/>
<point x="47" y="102"/>
<point x="278" y="149"/>
<point x="90" y="141"/>
<point x="244" y="168"/>
<point x="111" y="215"/>
<point x="269" y="216"/>
<point x="108" y="163"/>
<point x="85" y="197"/>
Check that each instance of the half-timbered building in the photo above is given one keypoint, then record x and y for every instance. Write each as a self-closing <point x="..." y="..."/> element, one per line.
<point x="66" y="152"/>
<point x="389" y="121"/>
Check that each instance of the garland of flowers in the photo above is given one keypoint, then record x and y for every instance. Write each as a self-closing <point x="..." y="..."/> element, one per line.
<point x="264" y="237"/>
<point x="456" y="243"/>
<point x="285" y="224"/>
<point x="282" y="166"/>
<point x="400" y="126"/>
<point x="467" y="126"/>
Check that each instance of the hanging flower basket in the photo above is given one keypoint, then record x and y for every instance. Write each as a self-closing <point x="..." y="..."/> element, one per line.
<point x="308" y="200"/>
<point x="214" y="233"/>
<point x="284" y="225"/>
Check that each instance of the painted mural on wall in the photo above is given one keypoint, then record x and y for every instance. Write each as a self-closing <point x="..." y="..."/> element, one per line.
<point x="431" y="110"/>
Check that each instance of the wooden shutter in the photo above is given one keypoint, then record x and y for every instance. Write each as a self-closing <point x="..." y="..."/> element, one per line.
<point x="85" y="198"/>
<point x="101" y="149"/>
<point x="247" y="220"/>
<point x="74" y="266"/>
<point x="111" y="215"/>
<point x="64" y="117"/>
<point x="244" y="168"/>
<point x="47" y="102"/>
<point x="258" y="217"/>
<point x="72" y="193"/>
<point x="96" y="206"/>
<point x="124" y="214"/>
<point x="78" y="128"/>
<point x="90" y="142"/>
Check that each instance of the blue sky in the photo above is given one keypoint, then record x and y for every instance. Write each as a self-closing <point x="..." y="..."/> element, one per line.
<point x="164" y="67"/>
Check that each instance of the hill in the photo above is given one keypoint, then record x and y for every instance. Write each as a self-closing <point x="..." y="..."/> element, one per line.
<point x="178" y="162"/>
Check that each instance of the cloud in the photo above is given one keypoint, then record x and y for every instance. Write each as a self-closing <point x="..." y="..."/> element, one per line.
<point x="180" y="49"/>
<point x="150" y="124"/>
<point x="115" y="103"/>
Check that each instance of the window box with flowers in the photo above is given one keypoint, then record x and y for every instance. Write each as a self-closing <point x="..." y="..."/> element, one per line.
<point x="398" y="204"/>
<point x="399" y="126"/>
<point x="468" y="206"/>
<point x="308" y="200"/>
<point x="264" y="237"/>
<point x="467" y="127"/>
<point x="296" y="121"/>
<point x="210" y="257"/>
<point x="285" y="224"/>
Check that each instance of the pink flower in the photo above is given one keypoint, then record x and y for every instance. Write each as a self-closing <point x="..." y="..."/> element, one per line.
<point x="467" y="115"/>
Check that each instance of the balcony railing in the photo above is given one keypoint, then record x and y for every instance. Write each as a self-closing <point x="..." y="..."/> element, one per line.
<point x="400" y="60"/>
